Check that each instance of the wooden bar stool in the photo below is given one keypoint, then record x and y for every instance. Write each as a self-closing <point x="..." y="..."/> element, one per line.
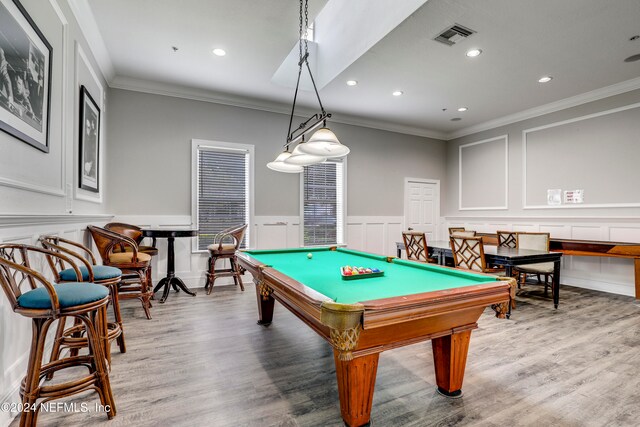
<point x="221" y="250"/>
<point x="73" y="337"/>
<point x="136" y="281"/>
<point x="135" y="233"/>
<point x="86" y="302"/>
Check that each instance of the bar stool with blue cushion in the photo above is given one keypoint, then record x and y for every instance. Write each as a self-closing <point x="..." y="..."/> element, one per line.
<point x="44" y="304"/>
<point x="72" y="338"/>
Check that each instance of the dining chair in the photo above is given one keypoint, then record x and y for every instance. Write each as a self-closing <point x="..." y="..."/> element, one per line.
<point x="507" y="239"/>
<point x="73" y="338"/>
<point x="44" y="302"/>
<point x="224" y="246"/>
<point x="135" y="283"/>
<point x="539" y="242"/>
<point x="464" y="233"/>
<point x="455" y="230"/>
<point x="468" y="254"/>
<point x="415" y="243"/>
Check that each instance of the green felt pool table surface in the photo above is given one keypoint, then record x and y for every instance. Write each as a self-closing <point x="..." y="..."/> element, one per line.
<point x="322" y="274"/>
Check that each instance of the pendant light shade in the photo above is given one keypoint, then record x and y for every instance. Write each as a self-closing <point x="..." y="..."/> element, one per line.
<point x="324" y="143"/>
<point x="280" y="166"/>
<point x="300" y="158"/>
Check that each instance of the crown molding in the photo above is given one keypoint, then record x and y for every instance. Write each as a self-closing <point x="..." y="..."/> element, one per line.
<point x="89" y="28"/>
<point x="17" y="220"/>
<point x="157" y="88"/>
<point x="594" y="95"/>
<point x="550" y="218"/>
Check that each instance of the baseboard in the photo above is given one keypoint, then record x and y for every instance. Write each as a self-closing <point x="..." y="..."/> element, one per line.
<point x="598" y="285"/>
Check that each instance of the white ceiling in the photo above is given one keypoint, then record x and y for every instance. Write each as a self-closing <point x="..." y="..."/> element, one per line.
<point x="581" y="43"/>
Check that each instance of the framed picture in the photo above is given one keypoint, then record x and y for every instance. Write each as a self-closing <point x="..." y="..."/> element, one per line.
<point x="25" y="76"/>
<point x="89" y="142"/>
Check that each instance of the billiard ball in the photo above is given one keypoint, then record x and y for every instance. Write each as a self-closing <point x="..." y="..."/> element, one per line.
<point x="309" y="255"/>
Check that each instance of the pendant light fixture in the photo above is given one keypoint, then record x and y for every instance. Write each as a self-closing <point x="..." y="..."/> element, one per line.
<point x="323" y="144"/>
<point x="279" y="164"/>
<point x="300" y="158"/>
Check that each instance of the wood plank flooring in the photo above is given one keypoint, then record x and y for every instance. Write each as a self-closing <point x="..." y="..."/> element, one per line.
<point x="204" y="361"/>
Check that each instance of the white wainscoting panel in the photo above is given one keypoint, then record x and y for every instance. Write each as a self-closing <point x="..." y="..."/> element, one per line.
<point x="614" y="275"/>
<point x="15" y="330"/>
<point x="376" y="234"/>
<point x="277" y="232"/>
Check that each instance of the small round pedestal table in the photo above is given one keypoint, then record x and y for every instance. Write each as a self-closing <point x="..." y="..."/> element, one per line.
<point x="171" y="280"/>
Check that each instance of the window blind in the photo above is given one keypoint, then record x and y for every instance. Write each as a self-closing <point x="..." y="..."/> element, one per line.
<point x="223" y="192"/>
<point x="323" y="204"/>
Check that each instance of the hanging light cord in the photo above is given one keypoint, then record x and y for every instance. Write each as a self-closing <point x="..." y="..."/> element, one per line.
<point x="303" y="59"/>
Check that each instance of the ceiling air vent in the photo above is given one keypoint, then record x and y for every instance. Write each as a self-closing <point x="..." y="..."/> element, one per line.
<point x="454" y="34"/>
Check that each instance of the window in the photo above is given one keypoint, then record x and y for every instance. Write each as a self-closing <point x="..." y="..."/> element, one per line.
<point x="323" y="203"/>
<point x="222" y="189"/>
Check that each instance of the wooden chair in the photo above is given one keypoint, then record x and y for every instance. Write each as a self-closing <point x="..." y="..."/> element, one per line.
<point x="134" y="265"/>
<point x="468" y="253"/>
<point x="221" y="250"/>
<point x="44" y="304"/>
<point x="463" y="233"/>
<point x="73" y="338"/>
<point x="455" y="230"/>
<point x="507" y="239"/>
<point x="135" y="233"/>
<point x="540" y="242"/>
<point x="415" y="243"/>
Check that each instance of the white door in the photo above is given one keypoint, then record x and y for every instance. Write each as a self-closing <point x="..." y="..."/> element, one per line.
<point x="422" y="206"/>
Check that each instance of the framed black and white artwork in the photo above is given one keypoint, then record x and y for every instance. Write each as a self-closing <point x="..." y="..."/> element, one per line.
<point x="25" y="76"/>
<point x="89" y="142"/>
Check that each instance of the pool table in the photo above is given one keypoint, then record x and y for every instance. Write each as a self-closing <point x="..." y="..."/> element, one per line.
<point x="411" y="302"/>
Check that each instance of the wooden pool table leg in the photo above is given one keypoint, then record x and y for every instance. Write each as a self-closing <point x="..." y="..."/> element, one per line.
<point x="265" y="303"/>
<point x="450" y="360"/>
<point x="636" y="263"/>
<point x="356" y="381"/>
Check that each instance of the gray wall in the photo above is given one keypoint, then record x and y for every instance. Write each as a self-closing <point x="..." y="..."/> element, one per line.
<point x="605" y="170"/>
<point x="149" y="158"/>
<point x="34" y="182"/>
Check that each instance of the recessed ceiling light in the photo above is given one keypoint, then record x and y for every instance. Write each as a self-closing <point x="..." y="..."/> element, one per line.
<point x="352" y="82"/>
<point x="219" y="52"/>
<point x="545" y="79"/>
<point x="473" y="53"/>
<point x="633" y="58"/>
<point x="397" y="93"/>
<point x="462" y="109"/>
<point x="456" y="119"/>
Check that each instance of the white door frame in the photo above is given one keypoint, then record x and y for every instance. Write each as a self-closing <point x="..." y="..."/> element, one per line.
<point x="437" y="200"/>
